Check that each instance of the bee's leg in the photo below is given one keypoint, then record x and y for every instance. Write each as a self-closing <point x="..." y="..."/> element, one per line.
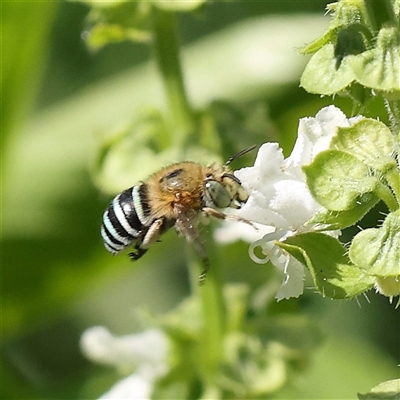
<point x="204" y="259"/>
<point x="151" y="236"/>
<point x="211" y="212"/>
<point x="135" y="255"/>
<point x="185" y="226"/>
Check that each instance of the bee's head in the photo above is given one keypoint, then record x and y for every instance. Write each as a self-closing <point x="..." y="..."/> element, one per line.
<point x="226" y="192"/>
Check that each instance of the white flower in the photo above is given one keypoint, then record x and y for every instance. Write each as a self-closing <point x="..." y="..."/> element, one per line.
<point x="280" y="200"/>
<point x="145" y="354"/>
<point x="133" y="387"/>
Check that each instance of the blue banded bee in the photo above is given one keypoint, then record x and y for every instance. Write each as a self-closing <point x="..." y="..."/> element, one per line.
<point x="172" y="197"/>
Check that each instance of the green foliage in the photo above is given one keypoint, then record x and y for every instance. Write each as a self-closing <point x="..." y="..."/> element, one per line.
<point x="378" y="68"/>
<point x="377" y="250"/>
<point x="354" y="49"/>
<point x="341" y="179"/>
<point x="334" y="276"/>
<point x="148" y="138"/>
<point x="337" y="180"/>
<point x="110" y="22"/>
<point x="23" y="56"/>
<point x="346" y="218"/>
<point x="260" y="352"/>
<point x="324" y="75"/>
<point x="347" y="180"/>
<point x="229" y="341"/>
<point x="371" y="142"/>
<point x="389" y="390"/>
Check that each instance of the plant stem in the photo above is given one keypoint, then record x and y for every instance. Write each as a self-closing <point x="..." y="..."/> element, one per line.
<point x="166" y="45"/>
<point x="393" y="110"/>
<point x="213" y="307"/>
<point x="387" y="196"/>
<point x="380" y="13"/>
<point x="393" y="178"/>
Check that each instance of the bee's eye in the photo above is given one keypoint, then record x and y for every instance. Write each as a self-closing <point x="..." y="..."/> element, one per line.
<point x="218" y="194"/>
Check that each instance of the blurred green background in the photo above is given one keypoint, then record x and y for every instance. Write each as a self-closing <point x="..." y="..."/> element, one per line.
<point x="57" y="279"/>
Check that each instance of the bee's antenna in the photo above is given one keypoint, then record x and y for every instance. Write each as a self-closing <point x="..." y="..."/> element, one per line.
<point x="240" y="154"/>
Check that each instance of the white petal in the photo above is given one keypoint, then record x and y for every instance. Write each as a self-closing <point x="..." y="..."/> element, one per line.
<point x="267" y="164"/>
<point x="293" y="201"/>
<point x="293" y="283"/>
<point x="232" y="231"/>
<point x="315" y="134"/>
<point x="258" y="209"/>
<point x="133" y="387"/>
<point x="145" y="352"/>
<point x="279" y="197"/>
<point x="284" y="204"/>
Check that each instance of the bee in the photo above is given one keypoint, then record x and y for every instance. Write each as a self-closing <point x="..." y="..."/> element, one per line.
<point x="175" y="196"/>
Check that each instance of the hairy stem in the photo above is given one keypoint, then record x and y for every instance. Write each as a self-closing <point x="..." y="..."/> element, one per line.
<point x="166" y="45"/>
<point x="213" y="310"/>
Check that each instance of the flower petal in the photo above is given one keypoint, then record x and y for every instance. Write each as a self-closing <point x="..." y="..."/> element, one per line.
<point x="133" y="387"/>
<point x="315" y="134"/>
<point x="279" y="198"/>
<point x="232" y="231"/>
<point x="293" y="284"/>
<point x="145" y="352"/>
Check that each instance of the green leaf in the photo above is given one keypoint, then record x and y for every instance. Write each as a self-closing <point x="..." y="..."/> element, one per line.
<point x="389" y="390"/>
<point x="147" y="138"/>
<point x="326" y="258"/>
<point x="358" y="93"/>
<point x="184" y="323"/>
<point x="110" y="22"/>
<point x="370" y="141"/>
<point x="325" y="75"/>
<point x="25" y="32"/>
<point x="179" y="5"/>
<point x="377" y="250"/>
<point x="337" y="180"/>
<point x="103" y="4"/>
<point x="328" y="36"/>
<point x="389" y="286"/>
<point x="236" y="299"/>
<point x="382" y="13"/>
<point x="103" y="34"/>
<point x="330" y="69"/>
<point x="296" y="332"/>
<point x="379" y="68"/>
<point x="346" y="218"/>
<point x="252" y="367"/>
<point x="347" y="17"/>
<point x="173" y="386"/>
<point x="114" y="168"/>
<point x="350" y="41"/>
<point x="236" y="125"/>
<point x="116" y="21"/>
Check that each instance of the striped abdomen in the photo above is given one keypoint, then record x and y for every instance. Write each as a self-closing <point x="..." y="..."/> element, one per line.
<point x="126" y="221"/>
